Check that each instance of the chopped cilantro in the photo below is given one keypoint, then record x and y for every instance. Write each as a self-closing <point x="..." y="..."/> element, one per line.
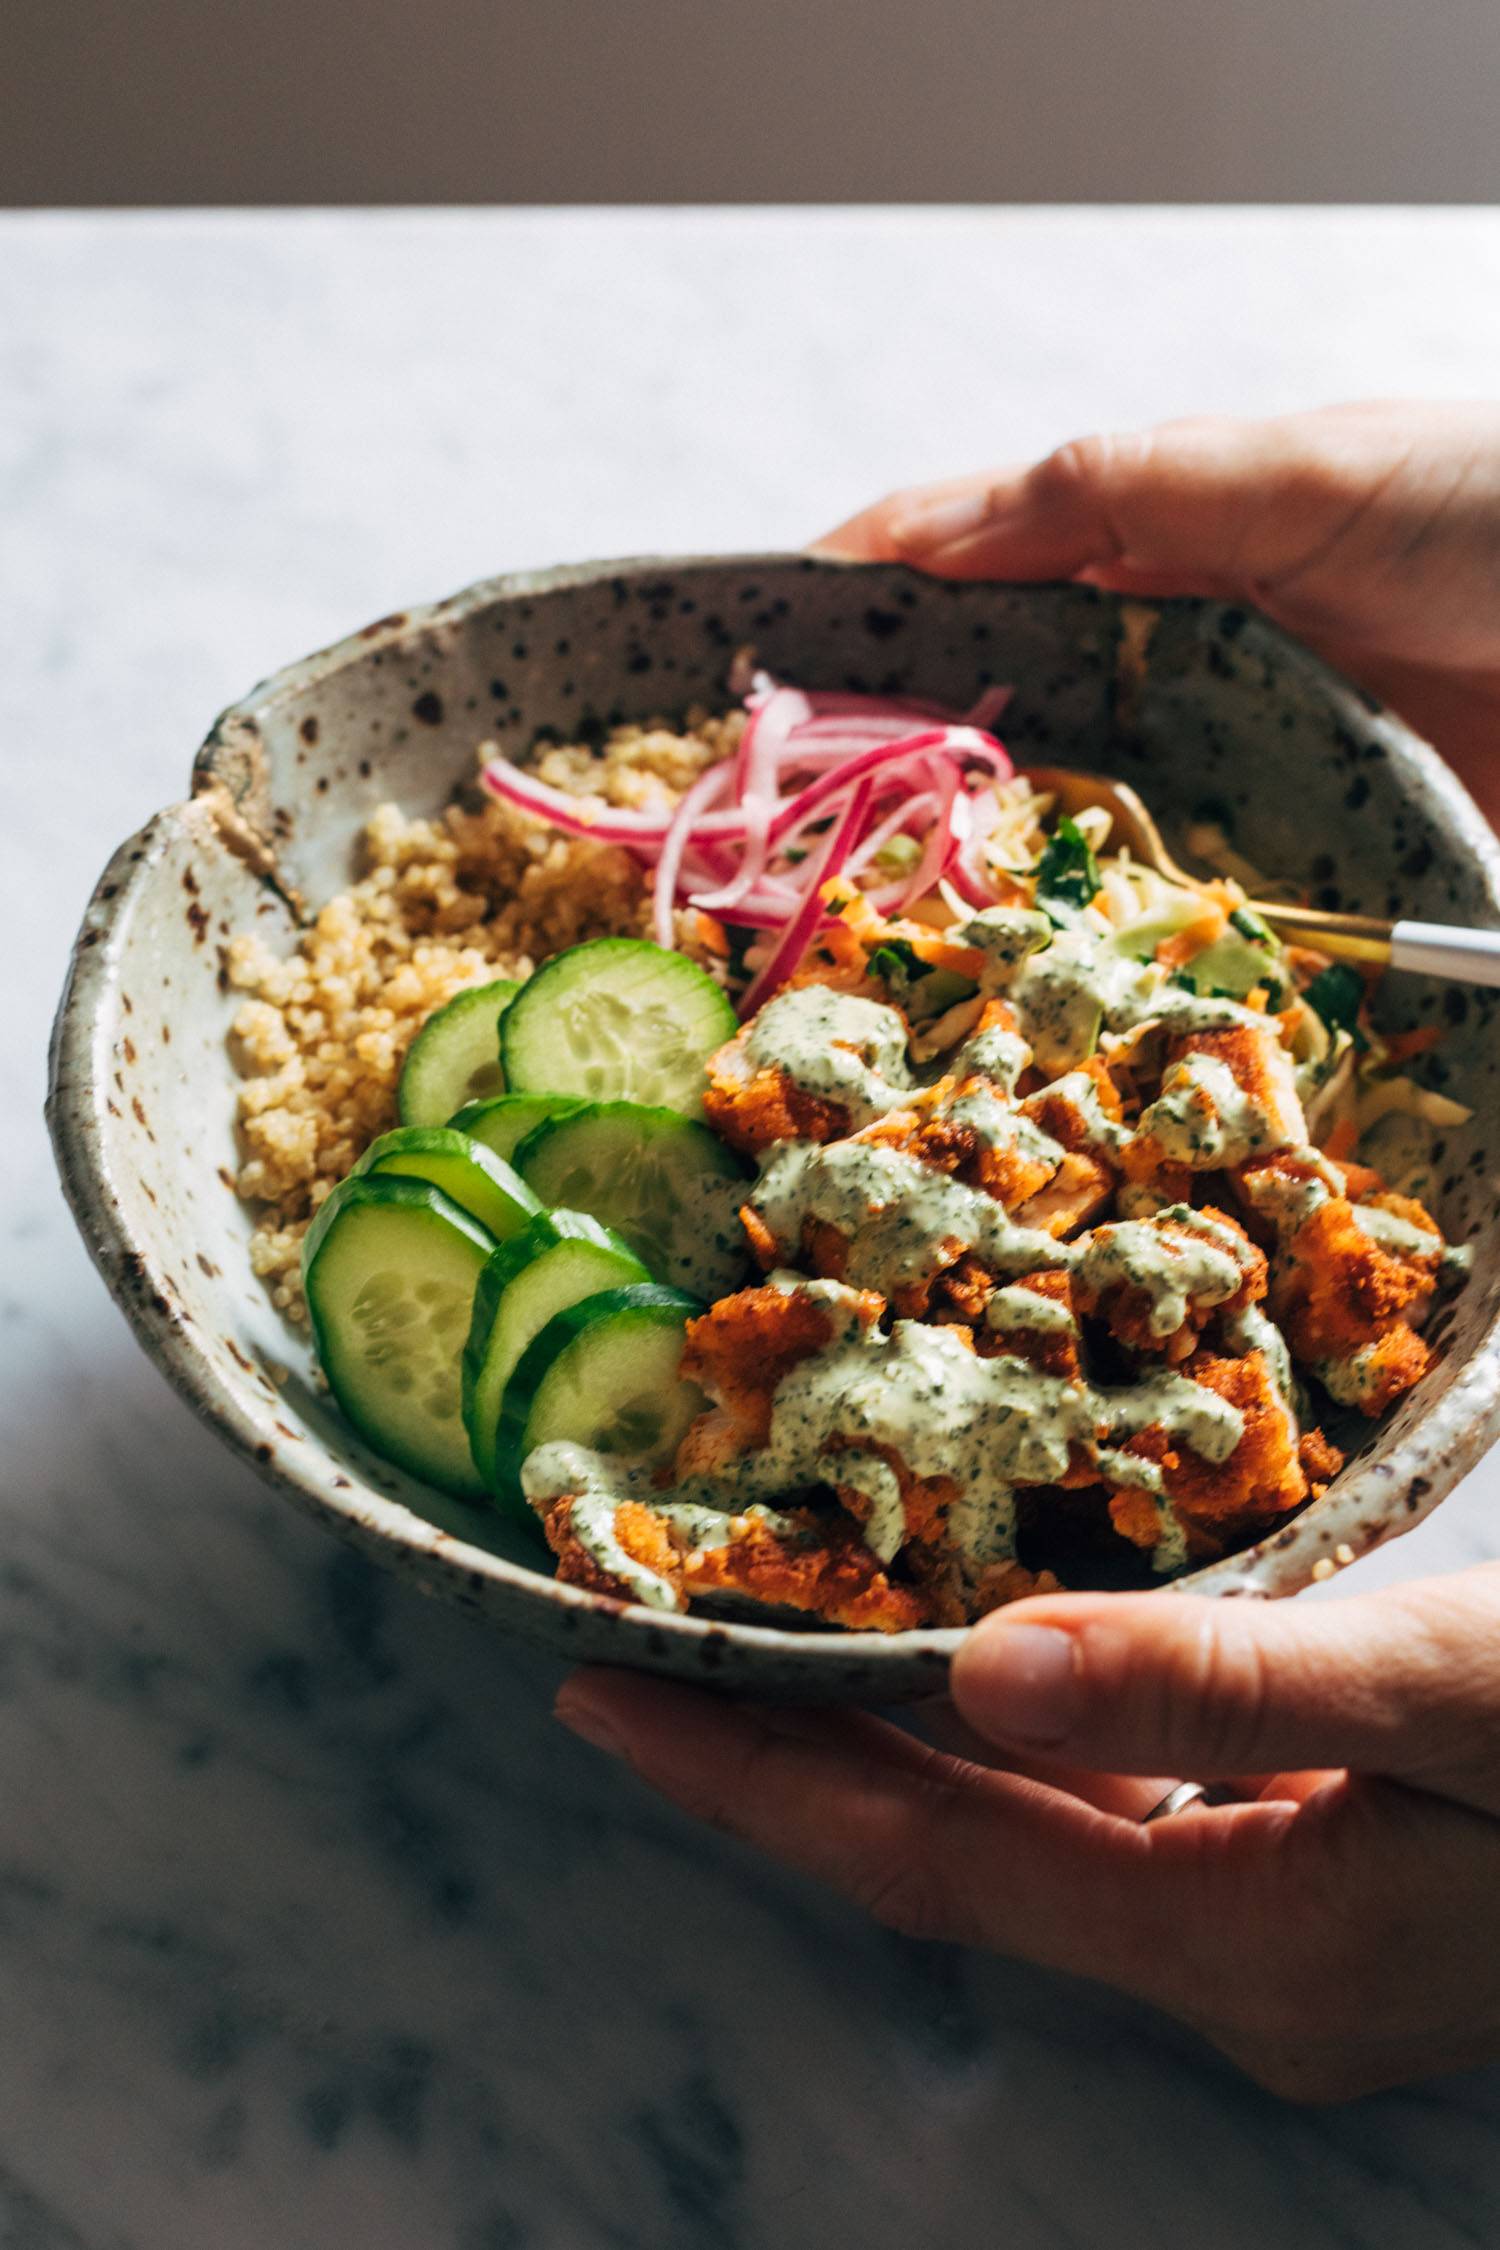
<point x="1337" y="995"/>
<point x="1067" y="874"/>
<point x="1252" y="927"/>
<point x="897" y="962"/>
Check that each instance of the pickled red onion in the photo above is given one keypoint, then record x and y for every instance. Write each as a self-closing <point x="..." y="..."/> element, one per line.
<point x="820" y="783"/>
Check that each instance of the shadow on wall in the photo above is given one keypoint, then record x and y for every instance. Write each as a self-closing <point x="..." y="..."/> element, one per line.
<point x="273" y="101"/>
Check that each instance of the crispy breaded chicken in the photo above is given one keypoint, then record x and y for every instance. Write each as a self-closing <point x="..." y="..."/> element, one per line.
<point x="754" y="1099"/>
<point x="1348" y="1303"/>
<point x="1155" y="1282"/>
<point x="738" y="1351"/>
<point x="1080" y="1187"/>
<point x="1064" y="1108"/>
<point x="756" y="1111"/>
<point x="1049" y="1339"/>
<point x="1218" y="1503"/>
<point x="1225" y="1095"/>
<point x="823" y="1571"/>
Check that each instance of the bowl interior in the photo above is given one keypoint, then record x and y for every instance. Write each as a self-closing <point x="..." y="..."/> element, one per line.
<point x="1197" y="704"/>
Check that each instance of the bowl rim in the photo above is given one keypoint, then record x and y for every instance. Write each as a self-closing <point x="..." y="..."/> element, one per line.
<point x="1430" y="1458"/>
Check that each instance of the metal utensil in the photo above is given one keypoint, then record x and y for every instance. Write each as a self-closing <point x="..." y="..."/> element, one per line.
<point x="1432" y="948"/>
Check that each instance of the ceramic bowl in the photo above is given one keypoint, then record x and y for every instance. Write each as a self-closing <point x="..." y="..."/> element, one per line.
<point x="1192" y="701"/>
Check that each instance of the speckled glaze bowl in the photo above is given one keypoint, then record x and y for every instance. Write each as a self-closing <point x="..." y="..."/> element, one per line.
<point x="1189" y="700"/>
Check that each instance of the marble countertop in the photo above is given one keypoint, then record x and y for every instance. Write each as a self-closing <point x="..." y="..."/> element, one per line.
<point x="314" y="1930"/>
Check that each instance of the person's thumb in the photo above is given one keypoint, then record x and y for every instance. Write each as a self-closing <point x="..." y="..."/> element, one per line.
<point x="1404" y="1683"/>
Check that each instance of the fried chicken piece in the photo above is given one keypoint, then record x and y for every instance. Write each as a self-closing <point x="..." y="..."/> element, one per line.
<point x="925" y="1501"/>
<point x="1320" y="1461"/>
<point x="1348" y="1304"/>
<point x="1218" y="1503"/>
<point x="1404" y="1207"/>
<point x="1010" y="1582"/>
<point x="1052" y="1345"/>
<point x="755" y="1112"/>
<point x="965" y="1289"/>
<point x="645" y="1537"/>
<point x="738" y="1351"/>
<point x="957" y="1596"/>
<point x="1010" y="1171"/>
<point x="1150" y="1183"/>
<point x="1081" y="1186"/>
<point x="753" y="1102"/>
<point x="1224" y="1096"/>
<point x="1060" y="1111"/>
<point x="1377" y="1374"/>
<point x="834" y="1577"/>
<point x="1278" y="1191"/>
<point x="1196" y="1263"/>
<point x="823" y="1571"/>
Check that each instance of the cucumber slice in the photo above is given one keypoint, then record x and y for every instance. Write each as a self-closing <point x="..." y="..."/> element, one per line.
<point x="455" y="1057"/>
<point x="479" y="1183"/>
<point x="502" y="1125"/>
<point x="670" y="1187"/>
<point x="558" y="1259"/>
<point x="617" y="1019"/>
<point x="391" y="1266"/>
<point x="604" y="1373"/>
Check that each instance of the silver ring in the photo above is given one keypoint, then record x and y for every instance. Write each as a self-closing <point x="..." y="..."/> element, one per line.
<point x="1176" y="1800"/>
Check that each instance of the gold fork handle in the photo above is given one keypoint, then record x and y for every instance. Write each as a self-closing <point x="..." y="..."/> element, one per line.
<point x="1430" y="949"/>
<point x="1348" y="937"/>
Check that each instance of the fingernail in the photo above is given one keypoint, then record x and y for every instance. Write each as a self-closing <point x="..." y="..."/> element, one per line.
<point x="582" y="1719"/>
<point x="938" y="523"/>
<point x="1028" y="1678"/>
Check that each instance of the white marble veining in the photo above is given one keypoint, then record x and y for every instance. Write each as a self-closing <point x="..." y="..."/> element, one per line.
<point x="314" y="1930"/>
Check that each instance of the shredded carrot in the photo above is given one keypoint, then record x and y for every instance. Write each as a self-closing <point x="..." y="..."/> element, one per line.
<point x="842" y="946"/>
<point x="940" y="952"/>
<point x="1208" y="927"/>
<point x="1341" y="1142"/>
<point x="853" y="911"/>
<point x="855" y="917"/>
<point x="1399" y="1045"/>
<point x="711" y="934"/>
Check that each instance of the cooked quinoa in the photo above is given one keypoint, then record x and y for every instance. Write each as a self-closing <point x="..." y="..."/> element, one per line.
<point x="482" y="891"/>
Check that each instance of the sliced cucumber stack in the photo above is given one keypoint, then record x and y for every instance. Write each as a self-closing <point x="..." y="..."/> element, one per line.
<point x="560" y="1258"/>
<point x="455" y="1057"/>
<point x="668" y="1185"/>
<point x="460" y="1323"/>
<point x="617" y="1018"/>
<point x="390" y="1267"/>
<point x="502" y="1125"/>
<point x="478" y="1182"/>
<point x="605" y="1373"/>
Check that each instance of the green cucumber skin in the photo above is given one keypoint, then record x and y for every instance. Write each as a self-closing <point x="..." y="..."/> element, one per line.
<point x="413" y="1142"/>
<point x="414" y="1103"/>
<point x="536" y="1061"/>
<point x="537" y="1156"/>
<point x="653" y="1300"/>
<point x="550" y="1231"/>
<point x="479" y="1119"/>
<point x="383" y="1192"/>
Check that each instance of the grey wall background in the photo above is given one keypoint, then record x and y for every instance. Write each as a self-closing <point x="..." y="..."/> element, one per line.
<point x="292" y="101"/>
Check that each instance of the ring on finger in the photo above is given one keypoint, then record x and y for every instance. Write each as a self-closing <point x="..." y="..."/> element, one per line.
<point x="1176" y="1800"/>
